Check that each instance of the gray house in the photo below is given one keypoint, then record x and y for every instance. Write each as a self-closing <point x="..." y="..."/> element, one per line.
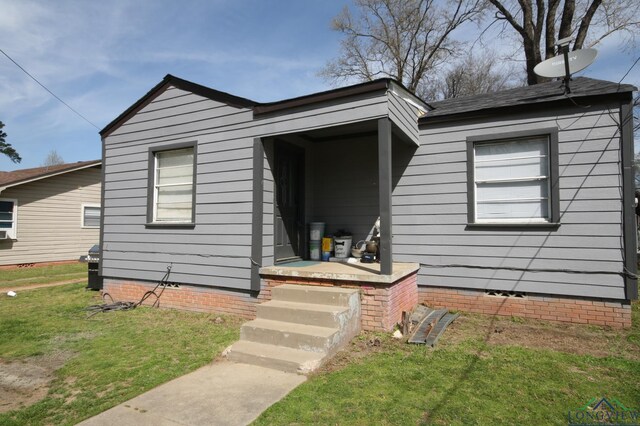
<point x="514" y="203"/>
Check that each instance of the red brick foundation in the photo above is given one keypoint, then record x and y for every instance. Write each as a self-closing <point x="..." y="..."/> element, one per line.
<point x="187" y="297"/>
<point x="551" y="308"/>
<point x="382" y="304"/>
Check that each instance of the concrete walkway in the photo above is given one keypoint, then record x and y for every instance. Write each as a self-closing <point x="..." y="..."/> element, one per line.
<point x="223" y="393"/>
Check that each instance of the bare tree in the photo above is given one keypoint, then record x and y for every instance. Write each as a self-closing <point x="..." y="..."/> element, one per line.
<point x="401" y="39"/>
<point x="540" y="24"/>
<point x="53" y="159"/>
<point x="473" y="75"/>
<point x="6" y="148"/>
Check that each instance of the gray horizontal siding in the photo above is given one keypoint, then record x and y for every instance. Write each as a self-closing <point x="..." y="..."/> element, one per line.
<point x="216" y="252"/>
<point x="430" y="209"/>
<point x="404" y="116"/>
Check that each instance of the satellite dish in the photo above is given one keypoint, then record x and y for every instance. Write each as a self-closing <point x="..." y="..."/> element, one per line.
<point x="554" y="67"/>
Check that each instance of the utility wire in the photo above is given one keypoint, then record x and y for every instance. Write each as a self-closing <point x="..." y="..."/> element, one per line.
<point x="629" y="70"/>
<point x="50" y="92"/>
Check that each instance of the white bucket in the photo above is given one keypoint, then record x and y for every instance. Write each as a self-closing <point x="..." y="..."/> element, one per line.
<point x="316" y="231"/>
<point x="342" y="246"/>
<point x="314" y="250"/>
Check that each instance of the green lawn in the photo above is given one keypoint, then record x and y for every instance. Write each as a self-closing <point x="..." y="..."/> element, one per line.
<point x="96" y="363"/>
<point x="19" y="277"/>
<point x="484" y="371"/>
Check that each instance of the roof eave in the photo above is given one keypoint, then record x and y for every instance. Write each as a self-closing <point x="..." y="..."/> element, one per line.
<point x="170" y="80"/>
<point x="519" y="108"/>
<point x="48" y="175"/>
<point x="320" y="97"/>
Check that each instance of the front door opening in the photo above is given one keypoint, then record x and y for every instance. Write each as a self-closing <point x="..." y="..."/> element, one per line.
<point x="289" y="202"/>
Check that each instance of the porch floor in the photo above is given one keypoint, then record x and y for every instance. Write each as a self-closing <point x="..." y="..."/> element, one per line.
<point x="359" y="272"/>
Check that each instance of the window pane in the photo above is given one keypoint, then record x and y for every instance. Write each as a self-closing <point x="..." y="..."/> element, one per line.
<point x="92" y="216"/>
<point x="6" y="225"/>
<point x="6" y="216"/>
<point x="511" y="190"/>
<point x="174" y="202"/>
<point x="513" y="210"/>
<point x="512" y="169"/>
<point x="6" y="208"/>
<point x="182" y="174"/>
<point x="517" y="148"/>
<point x="178" y="157"/>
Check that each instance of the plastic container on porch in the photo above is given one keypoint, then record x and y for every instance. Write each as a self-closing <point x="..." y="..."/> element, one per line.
<point x="342" y="246"/>
<point x="314" y="250"/>
<point x="327" y="248"/>
<point x="316" y="231"/>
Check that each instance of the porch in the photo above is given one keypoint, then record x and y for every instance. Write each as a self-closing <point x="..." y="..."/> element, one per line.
<point x="383" y="297"/>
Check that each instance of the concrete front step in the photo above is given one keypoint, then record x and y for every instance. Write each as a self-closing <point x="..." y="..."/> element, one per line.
<point x="303" y="313"/>
<point x="291" y="335"/>
<point x="276" y="357"/>
<point x="311" y="294"/>
<point x="299" y="328"/>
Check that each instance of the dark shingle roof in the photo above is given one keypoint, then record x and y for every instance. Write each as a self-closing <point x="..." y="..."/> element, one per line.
<point x="522" y="96"/>
<point x="18" y="176"/>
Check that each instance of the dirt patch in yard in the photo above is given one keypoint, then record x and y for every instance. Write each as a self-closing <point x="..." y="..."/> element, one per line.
<point x="25" y="382"/>
<point x="561" y="337"/>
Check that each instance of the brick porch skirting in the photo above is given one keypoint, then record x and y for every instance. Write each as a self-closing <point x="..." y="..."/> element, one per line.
<point x="381" y="304"/>
<point x="552" y="308"/>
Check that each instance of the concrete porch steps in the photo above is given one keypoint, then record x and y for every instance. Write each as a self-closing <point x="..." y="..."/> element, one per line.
<point x="301" y="313"/>
<point x="299" y="328"/>
<point x="276" y="357"/>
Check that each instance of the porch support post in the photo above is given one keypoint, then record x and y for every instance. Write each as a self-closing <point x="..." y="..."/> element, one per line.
<point x="257" y="210"/>
<point x="384" y="188"/>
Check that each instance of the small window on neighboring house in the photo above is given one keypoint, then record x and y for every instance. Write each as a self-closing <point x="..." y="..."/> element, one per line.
<point x="511" y="180"/>
<point x="173" y="186"/>
<point x="8" y="218"/>
<point x="90" y="216"/>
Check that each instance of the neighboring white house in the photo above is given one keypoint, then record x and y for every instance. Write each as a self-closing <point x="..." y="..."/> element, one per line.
<point x="49" y="214"/>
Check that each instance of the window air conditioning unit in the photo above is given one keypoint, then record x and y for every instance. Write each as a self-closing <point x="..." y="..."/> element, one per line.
<point x="4" y="235"/>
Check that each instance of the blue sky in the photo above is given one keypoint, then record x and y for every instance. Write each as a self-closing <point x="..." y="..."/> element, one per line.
<point x="101" y="56"/>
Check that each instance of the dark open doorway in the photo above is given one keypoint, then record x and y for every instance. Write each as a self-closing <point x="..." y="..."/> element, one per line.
<point x="289" y="225"/>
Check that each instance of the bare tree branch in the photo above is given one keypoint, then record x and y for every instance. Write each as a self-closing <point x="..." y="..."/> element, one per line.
<point x="402" y="39"/>
<point x="589" y="21"/>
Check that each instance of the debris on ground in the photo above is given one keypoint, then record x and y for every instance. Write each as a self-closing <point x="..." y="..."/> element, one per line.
<point x="12" y="293"/>
<point x="426" y="325"/>
<point x="397" y="334"/>
<point x="374" y="342"/>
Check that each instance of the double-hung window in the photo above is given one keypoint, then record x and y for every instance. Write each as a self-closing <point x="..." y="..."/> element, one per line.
<point x="8" y="218"/>
<point x="173" y="185"/>
<point x="512" y="179"/>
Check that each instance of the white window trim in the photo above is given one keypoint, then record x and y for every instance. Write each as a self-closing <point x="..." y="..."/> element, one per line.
<point x="13" y="231"/>
<point x="546" y="177"/>
<point x="84" y="205"/>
